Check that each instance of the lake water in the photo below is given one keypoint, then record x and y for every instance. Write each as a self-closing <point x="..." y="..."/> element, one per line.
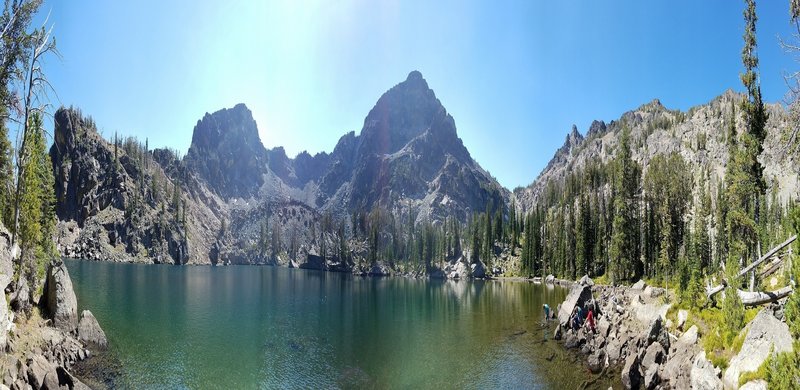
<point x="242" y="327"/>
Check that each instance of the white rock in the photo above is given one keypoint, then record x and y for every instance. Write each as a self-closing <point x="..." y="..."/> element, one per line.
<point x="765" y="333"/>
<point x="683" y="315"/>
<point x="703" y="375"/>
<point x="758" y="384"/>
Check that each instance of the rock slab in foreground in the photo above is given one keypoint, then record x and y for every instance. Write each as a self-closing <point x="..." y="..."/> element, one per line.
<point x="577" y="296"/>
<point x="61" y="304"/>
<point x="766" y="332"/>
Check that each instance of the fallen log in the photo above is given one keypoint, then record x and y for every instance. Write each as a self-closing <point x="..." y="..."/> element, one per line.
<point x="769" y="254"/>
<point x="771" y="268"/>
<point x="755" y="298"/>
<point x="710" y="292"/>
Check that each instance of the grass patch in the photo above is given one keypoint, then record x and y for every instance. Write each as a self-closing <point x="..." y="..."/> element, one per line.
<point x="720" y="346"/>
<point x="761" y="373"/>
<point x="602" y="279"/>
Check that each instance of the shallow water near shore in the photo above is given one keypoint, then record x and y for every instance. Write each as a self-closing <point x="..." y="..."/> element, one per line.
<point x="260" y="326"/>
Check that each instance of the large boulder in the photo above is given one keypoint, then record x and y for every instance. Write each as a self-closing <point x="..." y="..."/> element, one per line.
<point x="703" y="374"/>
<point x="677" y="368"/>
<point x="60" y="301"/>
<point x="459" y="270"/>
<point x="631" y="377"/>
<point x="39" y="369"/>
<point x="21" y="297"/>
<point x="766" y="334"/>
<point x="651" y="378"/>
<point x="586" y="281"/>
<point x="89" y="330"/>
<point x="597" y="361"/>
<point x="314" y="262"/>
<point x="654" y="355"/>
<point x="576" y="297"/>
<point x="689" y="337"/>
<point x="478" y="270"/>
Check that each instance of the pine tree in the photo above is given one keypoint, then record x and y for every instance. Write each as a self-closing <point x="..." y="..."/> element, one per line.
<point x="37" y="202"/>
<point x="744" y="175"/>
<point x="732" y="307"/>
<point x="276" y="242"/>
<point x="701" y="244"/>
<point x="488" y="238"/>
<point x="624" y="241"/>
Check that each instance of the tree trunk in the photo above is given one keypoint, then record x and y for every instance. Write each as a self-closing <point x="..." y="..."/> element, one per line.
<point x="760" y="298"/>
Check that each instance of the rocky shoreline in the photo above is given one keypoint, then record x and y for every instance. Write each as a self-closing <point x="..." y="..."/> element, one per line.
<point x="41" y="344"/>
<point x="635" y="337"/>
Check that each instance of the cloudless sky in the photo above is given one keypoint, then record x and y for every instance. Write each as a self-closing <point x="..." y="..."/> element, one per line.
<point x="515" y="75"/>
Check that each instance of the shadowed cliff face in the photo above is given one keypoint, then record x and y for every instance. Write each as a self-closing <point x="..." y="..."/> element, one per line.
<point x="227" y="153"/>
<point x="85" y="178"/>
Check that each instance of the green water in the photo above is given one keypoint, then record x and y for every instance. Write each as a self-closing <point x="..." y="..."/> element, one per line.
<point x="267" y="327"/>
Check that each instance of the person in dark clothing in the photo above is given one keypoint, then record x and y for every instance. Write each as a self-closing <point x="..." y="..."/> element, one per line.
<point x="576" y="318"/>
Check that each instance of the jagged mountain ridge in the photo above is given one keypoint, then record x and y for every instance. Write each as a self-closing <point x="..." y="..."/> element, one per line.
<point x="407" y="157"/>
<point x="698" y="135"/>
<point x="209" y="206"/>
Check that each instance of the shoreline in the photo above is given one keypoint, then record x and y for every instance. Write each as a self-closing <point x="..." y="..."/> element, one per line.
<point x="637" y="338"/>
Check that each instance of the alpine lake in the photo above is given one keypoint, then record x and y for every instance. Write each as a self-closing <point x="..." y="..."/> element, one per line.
<point x="243" y="327"/>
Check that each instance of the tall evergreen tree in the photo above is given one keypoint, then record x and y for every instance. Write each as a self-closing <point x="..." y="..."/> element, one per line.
<point x="744" y="175"/>
<point x="624" y="241"/>
<point x="37" y="202"/>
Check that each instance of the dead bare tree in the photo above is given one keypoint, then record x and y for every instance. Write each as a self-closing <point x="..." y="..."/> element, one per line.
<point x="792" y="79"/>
<point x="36" y="99"/>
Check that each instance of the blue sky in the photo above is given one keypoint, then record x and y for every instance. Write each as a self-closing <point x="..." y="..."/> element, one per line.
<point x="514" y="75"/>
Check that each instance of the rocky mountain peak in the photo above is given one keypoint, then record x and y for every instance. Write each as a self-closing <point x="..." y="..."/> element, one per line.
<point x="653" y="105"/>
<point x="227" y="152"/>
<point x="401" y="114"/>
<point x="597" y="127"/>
<point x="573" y="139"/>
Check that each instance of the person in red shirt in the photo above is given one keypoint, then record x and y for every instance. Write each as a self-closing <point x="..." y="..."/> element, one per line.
<point x="590" y="321"/>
